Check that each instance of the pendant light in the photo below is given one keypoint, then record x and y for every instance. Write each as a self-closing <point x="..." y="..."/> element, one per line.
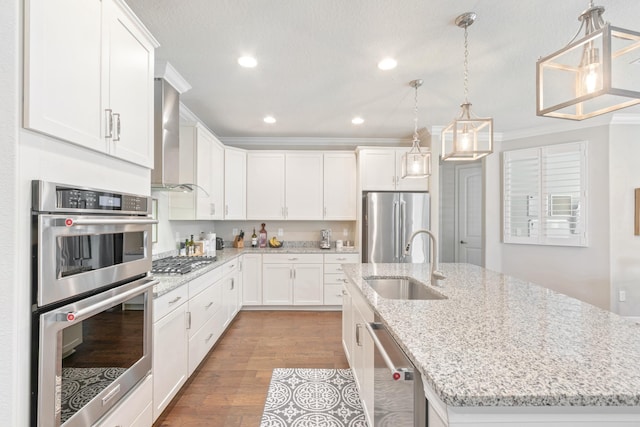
<point x="594" y="75"/>
<point x="467" y="137"/>
<point x="416" y="163"/>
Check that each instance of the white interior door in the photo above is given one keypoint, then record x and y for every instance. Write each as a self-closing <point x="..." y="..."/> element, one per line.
<point x="469" y="221"/>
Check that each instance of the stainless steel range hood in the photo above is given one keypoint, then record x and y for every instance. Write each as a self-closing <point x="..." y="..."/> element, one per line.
<point x="166" y="128"/>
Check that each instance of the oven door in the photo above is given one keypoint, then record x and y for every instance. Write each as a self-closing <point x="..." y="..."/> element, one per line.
<point x="80" y="254"/>
<point x="91" y="353"/>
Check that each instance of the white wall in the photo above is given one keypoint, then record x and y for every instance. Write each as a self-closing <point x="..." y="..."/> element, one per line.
<point x="13" y="317"/>
<point x="582" y="273"/>
<point x="624" y="177"/>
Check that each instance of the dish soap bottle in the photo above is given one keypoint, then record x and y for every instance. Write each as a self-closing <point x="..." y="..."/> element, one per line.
<point x="262" y="240"/>
<point x="254" y="239"/>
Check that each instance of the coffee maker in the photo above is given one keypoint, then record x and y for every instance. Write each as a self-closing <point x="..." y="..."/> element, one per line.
<point x="325" y="243"/>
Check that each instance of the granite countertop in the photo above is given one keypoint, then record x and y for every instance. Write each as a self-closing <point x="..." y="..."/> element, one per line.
<point x="500" y="341"/>
<point x="169" y="282"/>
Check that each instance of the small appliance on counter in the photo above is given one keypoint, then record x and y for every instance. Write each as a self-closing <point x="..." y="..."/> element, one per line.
<point x="325" y="243"/>
<point x="219" y="243"/>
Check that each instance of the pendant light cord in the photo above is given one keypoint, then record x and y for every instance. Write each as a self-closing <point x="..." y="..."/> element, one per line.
<point x="415" y="117"/>
<point x="466" y="65"/>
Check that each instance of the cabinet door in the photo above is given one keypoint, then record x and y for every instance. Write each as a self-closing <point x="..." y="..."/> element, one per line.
<point x="230" y="296"/>
<point x="308" y="284"/>
<point x="347" y="325"/>
<point x="378" y="170"/>
<point x="202" y="164"/>
<point x="170" y="357"/>
<point x="408" y="184"/>
<point x="131" y="62"/>
<point x="217" y="179"/>
<point x="276" y="284"/>
<point x="63" y="72"/>
<point x="252" y="279"/>
<point x="265" y="186"/>
<point x="303" y="184"/>
<point x="339" y="186"/>
<point x="235" y="184"/>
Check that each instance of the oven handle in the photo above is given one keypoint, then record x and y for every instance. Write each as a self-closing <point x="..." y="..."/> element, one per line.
<point x="69" y="222"/>
<point x="396" y="374"/>
<point x="72" y="316"/>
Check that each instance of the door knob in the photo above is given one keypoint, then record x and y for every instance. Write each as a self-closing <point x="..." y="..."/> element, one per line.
<point x="462" y="242"/>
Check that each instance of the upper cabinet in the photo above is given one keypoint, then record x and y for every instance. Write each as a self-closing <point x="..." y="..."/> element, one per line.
<point x="265" y="185"/>
<point x="235" y="183"/>
<point x="303" y="185"/>
<point x="201" y="163"/>
<point x="381" y="170"/>
<point x="339" y="186"/>
<point x="94" y="90"/>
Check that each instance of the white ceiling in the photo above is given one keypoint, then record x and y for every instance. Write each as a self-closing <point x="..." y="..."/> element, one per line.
<point x="317" y="61"/>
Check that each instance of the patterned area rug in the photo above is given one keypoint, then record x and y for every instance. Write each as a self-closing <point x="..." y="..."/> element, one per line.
<point x="80" y="385"/>
<point x="313" y="397"/>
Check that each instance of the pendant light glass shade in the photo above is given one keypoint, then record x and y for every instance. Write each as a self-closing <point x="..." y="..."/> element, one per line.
<point x="467" y="137"/>
<point x="416" y="163"/>
<point x="594" y="75"/>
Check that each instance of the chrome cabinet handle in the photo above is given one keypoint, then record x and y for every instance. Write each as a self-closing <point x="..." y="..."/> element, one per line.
<point x="233" y="283"/>
<point x="108" y="122"/>
<point x="226" y="209"/>
<point x="358" y="343"/>
<point x="117" y="127"/>
<point x="206" y="307"/>
<point x="208" y="338"/>
<point x="188" y="319"/>
<point x="175" y="300"/>
<point x="294" y="273"/>
<point x="325" y="211"/>
<point x="213" y="208"/>
<point x="341" y="258"/>
<point x="344" y="292"/>
<point x="292" y="259"/>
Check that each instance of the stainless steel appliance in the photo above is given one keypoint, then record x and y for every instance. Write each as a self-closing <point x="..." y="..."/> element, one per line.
<point x="389" y="219"/>
<point x="91" y="259"/>
<point x="398" y="393"/>
<point x="325" y="242"/>
<point x="180" y="264"/>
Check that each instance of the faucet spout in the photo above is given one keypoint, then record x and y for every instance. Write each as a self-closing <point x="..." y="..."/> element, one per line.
<point x="436" y="275"/>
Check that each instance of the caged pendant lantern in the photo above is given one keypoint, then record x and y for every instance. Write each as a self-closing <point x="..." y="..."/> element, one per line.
<point x="416" y="163"/>
<point x="467" y="137"/>
<point x="594" y="75"/>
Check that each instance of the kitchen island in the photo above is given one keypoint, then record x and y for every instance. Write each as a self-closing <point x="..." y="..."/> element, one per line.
<point x="506" y="352"/>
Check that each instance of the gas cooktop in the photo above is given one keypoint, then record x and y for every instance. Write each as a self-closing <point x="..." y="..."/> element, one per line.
<point x="180" y="264"/>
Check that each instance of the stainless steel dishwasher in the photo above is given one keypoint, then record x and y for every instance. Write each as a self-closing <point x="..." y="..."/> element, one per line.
<point x="399" y="399"/>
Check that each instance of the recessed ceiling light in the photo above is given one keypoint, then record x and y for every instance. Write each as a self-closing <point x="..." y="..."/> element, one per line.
<point x="269" y="119"/>
<point x="387" y="64"/>
<point x="357" y="120"/>
<point x="247" y="61"/>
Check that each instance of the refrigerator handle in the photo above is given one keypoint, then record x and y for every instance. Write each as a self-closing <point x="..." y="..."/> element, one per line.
<point x="396" y="230"/>
<point x="403" y="222"/>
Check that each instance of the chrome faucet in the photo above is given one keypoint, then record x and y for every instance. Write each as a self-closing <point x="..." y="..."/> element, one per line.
<point x="436" y="275"/>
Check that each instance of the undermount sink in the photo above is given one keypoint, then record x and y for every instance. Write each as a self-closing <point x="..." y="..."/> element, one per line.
<point x="402" y="288"/>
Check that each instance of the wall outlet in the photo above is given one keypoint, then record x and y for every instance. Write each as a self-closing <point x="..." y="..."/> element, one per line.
<point x="234" y="232"/>
<point x="280" y="232"/>
<point x="622" y="296"/>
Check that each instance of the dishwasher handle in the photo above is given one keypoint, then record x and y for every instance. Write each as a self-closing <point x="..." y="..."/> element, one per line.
<point x="398" y="374"/>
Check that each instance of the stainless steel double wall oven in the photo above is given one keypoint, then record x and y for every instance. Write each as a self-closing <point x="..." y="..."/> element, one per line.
<point x="91" y="301"/>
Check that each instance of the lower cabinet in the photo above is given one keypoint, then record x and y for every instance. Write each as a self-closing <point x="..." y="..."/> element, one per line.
<point x="134" y="411"/>
<point x="334" y="278"/>
<point x="251" y="273"/>
<point x="347" y="324"/>
<point x="292" y="279"/>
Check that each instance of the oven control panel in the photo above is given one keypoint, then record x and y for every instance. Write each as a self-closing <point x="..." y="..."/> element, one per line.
<point x="63" y="198"/>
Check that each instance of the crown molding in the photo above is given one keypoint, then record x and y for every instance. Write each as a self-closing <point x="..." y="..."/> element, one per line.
<point x="270" y="143"/>
<point x="625" y="119"/>
<point x="165" y="70"/>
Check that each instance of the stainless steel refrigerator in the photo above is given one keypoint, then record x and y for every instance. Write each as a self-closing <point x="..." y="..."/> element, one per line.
<point x="389" y="219"/>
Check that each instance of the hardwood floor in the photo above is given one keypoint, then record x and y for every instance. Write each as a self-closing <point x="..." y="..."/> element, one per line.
<point x="230" y="386"/>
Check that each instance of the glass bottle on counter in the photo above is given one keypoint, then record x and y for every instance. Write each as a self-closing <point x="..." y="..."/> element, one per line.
<point x="262" y="239"/>
<point x="254" y="239"/>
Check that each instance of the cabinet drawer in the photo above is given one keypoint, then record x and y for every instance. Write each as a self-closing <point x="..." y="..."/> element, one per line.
<point x="204" y="306"/>
<point x="332" y="294"/>
<point x="200" y="283"/>
<point x="230" y="267"/>
<point x="292" y="258"/>
<point x="333" y="268"/>
<point x="204" y="339"/>
<point x="168" y="302"/>
<point x="334" y="279"/>
<point x="135" y="409"/>
<point x="342" y="258"/>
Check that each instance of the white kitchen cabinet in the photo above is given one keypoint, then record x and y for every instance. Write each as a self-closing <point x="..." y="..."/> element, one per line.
<point x="303" y="186"/>
<point x="381" y="170"/>
<point x="235" y="183"/>
<point x="334" y="278"/>
<point x="135" y="410"/>
<point x="347" y="324"/>
<point x="201" y="163"/>
<point x="292" y="279"/>
<point x="170" y="348"/>
<point x="231" y="290"/>
<point x="252" y="279"/>
<point x="339" y="186"/>
<point x="265" y="185"/>
<point x="95" y="90"/>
